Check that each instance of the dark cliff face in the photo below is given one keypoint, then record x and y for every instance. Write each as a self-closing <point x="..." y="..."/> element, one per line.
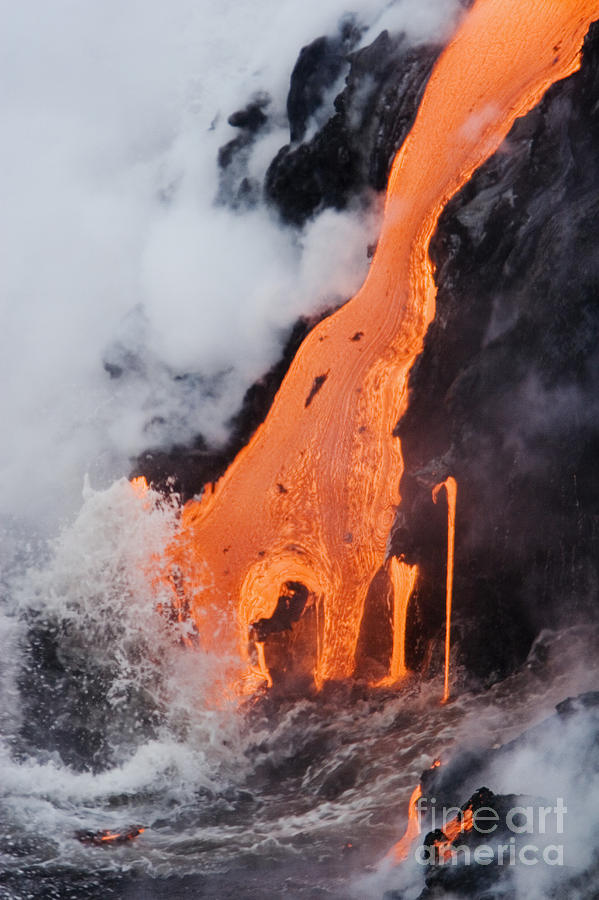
<point x="352" y="153"/>
<point x="505" y="396"/>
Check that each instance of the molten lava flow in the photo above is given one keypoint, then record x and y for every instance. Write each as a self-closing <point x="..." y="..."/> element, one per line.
<point x="402" y="578"/>
<point x="313" y="496"/>
<point x="400" y="850"/>
<point x="442" y="841"/>
<point x="460" y="824"/>
<point x="139" y="485"/>
<point x="451" y="489"/>
<point x="262" y="667"/>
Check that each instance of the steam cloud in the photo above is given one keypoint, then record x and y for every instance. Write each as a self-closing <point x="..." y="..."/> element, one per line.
<point x="113" y="248"/>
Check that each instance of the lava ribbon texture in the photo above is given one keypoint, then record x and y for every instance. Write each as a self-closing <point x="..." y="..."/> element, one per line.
<point x="328" y="439"/>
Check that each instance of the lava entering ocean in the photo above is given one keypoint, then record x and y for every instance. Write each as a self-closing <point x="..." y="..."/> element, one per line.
<point x="310" y="501"/>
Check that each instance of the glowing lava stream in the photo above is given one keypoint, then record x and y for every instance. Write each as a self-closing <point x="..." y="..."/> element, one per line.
<point x="401" y="849"/>
<point x="313" y="495"/>
<point x="402" y="578"/>
<point x="451" y="489"/>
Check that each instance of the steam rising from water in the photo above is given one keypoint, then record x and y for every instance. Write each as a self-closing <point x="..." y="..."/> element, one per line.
<point x="216" y="790"/>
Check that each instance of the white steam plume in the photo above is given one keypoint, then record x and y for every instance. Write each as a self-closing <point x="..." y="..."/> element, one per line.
<point x="113" y="114"/>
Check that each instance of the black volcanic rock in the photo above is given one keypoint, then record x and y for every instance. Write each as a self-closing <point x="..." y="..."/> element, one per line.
<point x="504" y="396"/>
<point x="251" y="118"/>
<point x="575" y="721"/>
<point x="353" y="151"/>
<point x="236" y="188"/>
<point x="317" y="68"/>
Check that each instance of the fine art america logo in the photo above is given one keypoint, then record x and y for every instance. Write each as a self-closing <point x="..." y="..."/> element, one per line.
<point x="505" y="834"/>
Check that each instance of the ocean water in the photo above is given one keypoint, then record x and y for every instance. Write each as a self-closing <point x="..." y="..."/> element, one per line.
<point x="110" y="722"/>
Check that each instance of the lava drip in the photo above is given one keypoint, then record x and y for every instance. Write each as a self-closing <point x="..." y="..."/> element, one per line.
<point x="451" y="489"/>
<point x="312" y="498"/>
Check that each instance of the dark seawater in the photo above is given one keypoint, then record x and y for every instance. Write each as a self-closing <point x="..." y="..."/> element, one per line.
<point x="105" y="725"/>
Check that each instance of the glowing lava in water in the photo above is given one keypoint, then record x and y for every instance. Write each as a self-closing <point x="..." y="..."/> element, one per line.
<point x="313" y="496"/>
<point x="451" y="489"/>
<point x="106" y="838"/>
<point x="400" y="850"/>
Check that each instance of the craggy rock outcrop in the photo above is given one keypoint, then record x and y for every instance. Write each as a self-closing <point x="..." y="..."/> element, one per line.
<point x="236" y="188"/>
<point x="352" y="153"/>
<point x="504" y="396"/>
<point x="516" y="818"/>
<point x="318" y="67"/>
<point x="450" y="865"/>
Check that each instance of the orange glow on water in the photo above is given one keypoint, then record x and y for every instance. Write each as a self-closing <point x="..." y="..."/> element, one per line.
<point x="107" y="838"/>
<point x="313" y="496"/>
<point x="451" y="489"/>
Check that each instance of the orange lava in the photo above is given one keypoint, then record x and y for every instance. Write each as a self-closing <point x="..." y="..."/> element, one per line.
<point x="313" y="496"/>
<point x="460" y="824"/>
<point x="107" y="838"/>
<point x="120" y="836"/>
<point x="403" y="579"/>
<point x="451" y="489"/>
<point x="262" y="667"/>
<point x="140" y="486"/>
<point x="400" y="850"/>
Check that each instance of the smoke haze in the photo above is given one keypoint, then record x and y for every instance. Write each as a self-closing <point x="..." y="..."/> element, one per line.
<point x="113" y="249"/>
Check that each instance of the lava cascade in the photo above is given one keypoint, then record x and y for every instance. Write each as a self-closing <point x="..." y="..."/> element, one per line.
<point x="399" y="852"/>
<point x="313" y="495"/>
<point x="451" y="490"/>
